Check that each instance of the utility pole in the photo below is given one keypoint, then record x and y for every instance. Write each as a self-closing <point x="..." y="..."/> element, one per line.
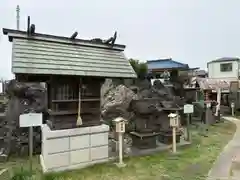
<point x="18" y="17"/>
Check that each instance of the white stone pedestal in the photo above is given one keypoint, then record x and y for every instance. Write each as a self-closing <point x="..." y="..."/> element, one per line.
<point x="73" y="148"/>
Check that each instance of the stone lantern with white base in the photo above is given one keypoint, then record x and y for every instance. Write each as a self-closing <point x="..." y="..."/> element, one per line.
<point x="174" y="123"/>
<point x="120" y="129"/>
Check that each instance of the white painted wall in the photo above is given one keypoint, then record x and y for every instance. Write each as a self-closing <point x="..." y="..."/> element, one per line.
<point x="215" y="72"/>
<point x="1" y="85"/>
<point x="73" y="148"/>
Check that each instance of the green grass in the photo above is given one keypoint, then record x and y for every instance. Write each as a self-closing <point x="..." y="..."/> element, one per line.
<point x="192" y="163"/>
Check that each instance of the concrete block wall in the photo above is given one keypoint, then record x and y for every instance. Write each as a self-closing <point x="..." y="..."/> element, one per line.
<point x="73" y="148"/>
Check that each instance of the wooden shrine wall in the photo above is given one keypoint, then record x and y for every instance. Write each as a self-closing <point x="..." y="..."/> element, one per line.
<point x="64" y="102"/>
<point x="63" y="99"/>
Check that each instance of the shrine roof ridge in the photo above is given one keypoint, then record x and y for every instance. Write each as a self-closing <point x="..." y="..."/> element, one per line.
<point x="12" y="33"/>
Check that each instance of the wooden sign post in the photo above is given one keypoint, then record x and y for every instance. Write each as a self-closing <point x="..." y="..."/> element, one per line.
<point x="188" y="109"/>
<point x="30" y="120"/>
<point x="206" y="118"/>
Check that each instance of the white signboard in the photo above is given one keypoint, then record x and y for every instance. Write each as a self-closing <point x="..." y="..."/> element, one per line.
<point x="188" y="109"/>
<point x="30" y="120"/>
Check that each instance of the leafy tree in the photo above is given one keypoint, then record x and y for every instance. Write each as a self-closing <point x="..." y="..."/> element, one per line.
<point x="140" y="68"/>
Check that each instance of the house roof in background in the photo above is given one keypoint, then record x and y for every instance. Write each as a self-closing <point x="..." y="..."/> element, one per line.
<point x="225" y="59"/>
<point x="198" y="73"/>
<point x="165" y="64"/>
<point x="48" y="54"/>
<point x="211" y="83"/>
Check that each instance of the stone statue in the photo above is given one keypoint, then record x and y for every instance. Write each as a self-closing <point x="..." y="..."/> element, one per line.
<point x="166" y="76"/>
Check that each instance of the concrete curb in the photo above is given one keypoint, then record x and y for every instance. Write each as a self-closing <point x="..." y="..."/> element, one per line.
<point x="5" y="174"/>
<point x="222" y="167"/>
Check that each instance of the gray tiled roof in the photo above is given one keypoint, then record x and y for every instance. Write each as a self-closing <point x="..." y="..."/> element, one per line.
<point x="47" y="54"/>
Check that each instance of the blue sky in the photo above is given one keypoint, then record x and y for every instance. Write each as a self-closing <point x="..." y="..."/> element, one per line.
<point x="189" y="31"/>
